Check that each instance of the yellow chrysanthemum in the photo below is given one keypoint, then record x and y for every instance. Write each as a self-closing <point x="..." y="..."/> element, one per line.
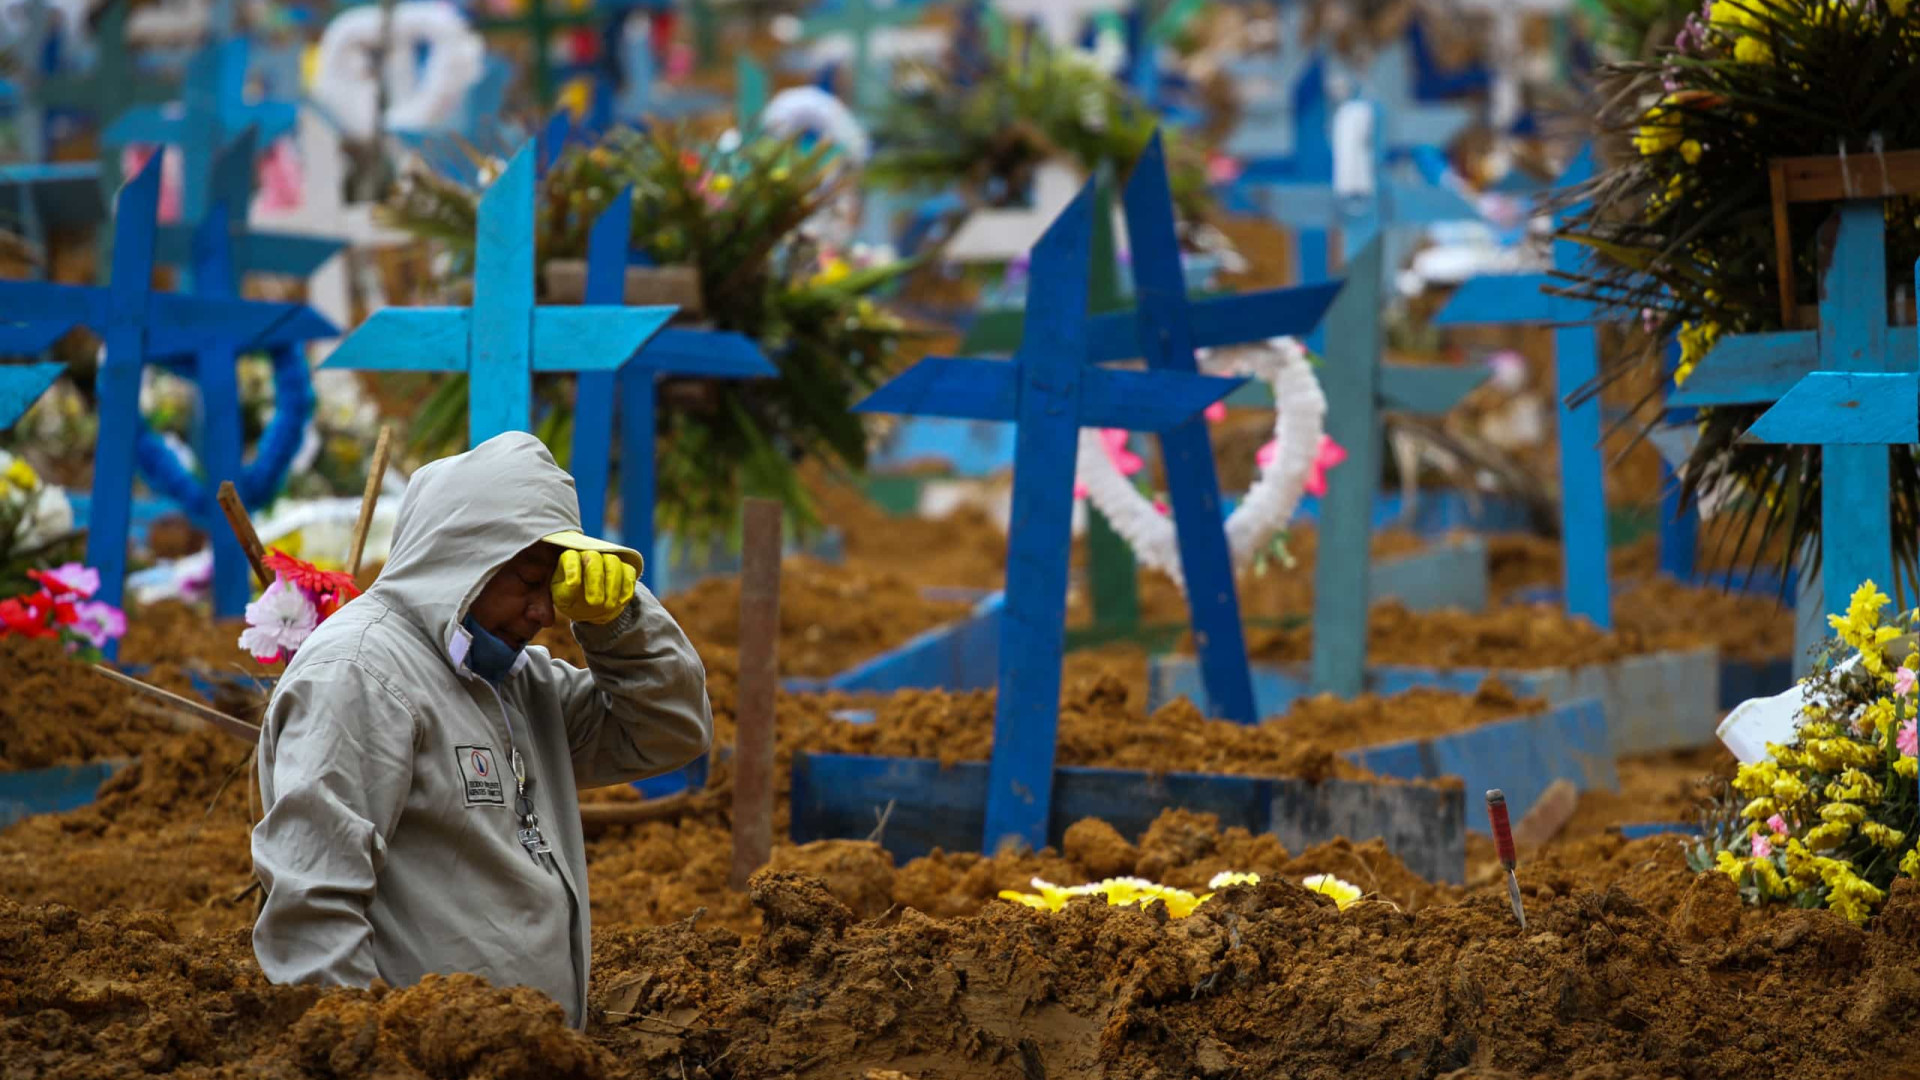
<point x="1841" y="813"/>
<point x="1232" y="877"/>
<point x="1690" y="151"/>
<point x="1880" y="718"/>
<point x="1788" y="790"/>
<point x="1828" y="835"/>
<point x="1884" y="835"/>
<point x="1759" y="809"/>
<point x="21" y="475"/>
<point x="1752" y="50"/>
<point x="1343" y="893"/>
<point x="1910" y="863"/>
<point x="1659" y="129"/>
<point x="1905" y="767"/>
<point x="1756" y="778"/>
<point x="1855" y="786"/>
<point x="1696" y="341"/>
<point x="1833" y="755"/>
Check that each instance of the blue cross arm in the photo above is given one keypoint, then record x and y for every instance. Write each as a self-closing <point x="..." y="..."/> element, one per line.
<point x="1427" y="390"/>
<point x="405" y="339"/>
<point x="268" y="253"/>
<point x="178" y="323"/>
<point x="21" y="385"/>
<point x="1843" y="408"/>
<point x="721" y="354"/>
<point x="593" y="337"/>
<point x="31" y="338"/>
<point x="1222" y="320"/>
<point x="1749" y="369"/>
<point x="1434" y="125"/>
<point x="1303" y="206"/>
<point x="166" y="344"/>
<point x="64" y="192"/>
<point x="1414" y="203"/>
<point x="41" y="303"/>
<point x="972" y="389"/>
<point x="1498" y="298"/>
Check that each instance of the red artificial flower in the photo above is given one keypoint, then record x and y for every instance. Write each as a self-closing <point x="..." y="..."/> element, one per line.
<point x="328" y="588"/>
<point x="51" y="583"/>
<point x="20" y="615"/>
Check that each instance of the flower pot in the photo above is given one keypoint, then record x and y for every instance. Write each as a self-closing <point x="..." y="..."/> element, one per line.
<point x="566" y="283"/>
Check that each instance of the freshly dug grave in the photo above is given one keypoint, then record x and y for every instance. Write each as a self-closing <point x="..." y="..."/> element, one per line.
<point x="175" y="632"/>
<point x="1747" y="626"/>
<point x="1267" y="980"/>
<point x="1515" y="637"/>
<point x="963" y="549"/>
<point x="1101" y="725"/>
<point x="56" y="712"/>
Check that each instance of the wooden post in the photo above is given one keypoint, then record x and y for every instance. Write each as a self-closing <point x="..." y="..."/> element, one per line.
<point x="369" y="498"/>
<point x="759" y="675"/>
<point x="242" y="526"/>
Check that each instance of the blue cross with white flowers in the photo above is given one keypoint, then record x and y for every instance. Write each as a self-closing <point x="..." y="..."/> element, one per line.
<point x="1852" y="387"/>
<point x="1051" y="390"/>
<point x="1524" y="299"/>
<point x="137" y="324"/>
<point x="707" y="353"/>
<point x="1165" y="325"/>
<point x="503" y="338"/>
<point x="221" y="250"/>
<point x="21" y="385"/>
<point x="212" y="110"/>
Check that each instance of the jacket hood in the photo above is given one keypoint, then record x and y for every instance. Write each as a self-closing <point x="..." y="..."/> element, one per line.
<point x="465" y="517"/>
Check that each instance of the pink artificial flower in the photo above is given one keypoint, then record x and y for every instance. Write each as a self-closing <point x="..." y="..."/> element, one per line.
<point x="1161" y="505"/>
<point x="1330" y="454"/>
<point x="134" y="158"/>
<point x="1222" y="169"/>
<point x="1509" y="371"/>
<point x="280" y="187"/>
<point x="1779" y="826"/>
<point x="679" y="62"/>
<point x="1263" y="457"/>
<point x="1908" y="740"/>
<point x="84" y="580"/>
<point x="1079" y="490"/>
<point x="1216" y="412"/>
<point x="98" y="622"/>
<point x="1123" y="459"/>
<point x="278" y="621"/>
<point x="1762" y="846"/>
<point x="1903" y="681"/>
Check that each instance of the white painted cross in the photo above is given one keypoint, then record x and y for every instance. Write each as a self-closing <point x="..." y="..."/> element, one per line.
<point x="1000" y="235"/>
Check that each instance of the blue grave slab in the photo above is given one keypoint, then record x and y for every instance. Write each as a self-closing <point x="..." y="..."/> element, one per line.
<point x="1659" y="701"/>
<point x="52" y="790"/>
<point x="1451" y="575"/>
<point x="1640" y="830"/>
<point x="841" y="795"/>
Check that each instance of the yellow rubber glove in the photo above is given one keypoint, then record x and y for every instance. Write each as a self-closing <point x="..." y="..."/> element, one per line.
<point x="592" y="588"/>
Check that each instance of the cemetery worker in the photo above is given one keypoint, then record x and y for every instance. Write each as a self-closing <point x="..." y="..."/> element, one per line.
<point x="420" y="760"/>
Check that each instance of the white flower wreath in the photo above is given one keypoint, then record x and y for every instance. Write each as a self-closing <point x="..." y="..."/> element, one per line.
<point x="1299" y="422"/>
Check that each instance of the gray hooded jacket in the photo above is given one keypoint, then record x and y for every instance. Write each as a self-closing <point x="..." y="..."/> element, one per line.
<point x="389" y="847"/>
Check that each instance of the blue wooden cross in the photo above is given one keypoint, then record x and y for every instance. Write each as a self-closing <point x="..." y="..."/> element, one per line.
<point x="34" y="188"/>
<point x="1165" y="326"/>
<point x="1523" y="299"/>
<point x="137" y="324"/>
<point x="1852" y="387"/>
<point x="861" y="19"/>
<point x="21" y="385"/>
<point x="1358" y="388"/>
<point x="711" y="354"/>
<point x="1679" y="519"/>
<point x="1051" y="391"/>
<point x="503" y="338"/>
<point x="221" y="250"/>
<point x="213" y="109"/>
<point x="638" y="98"/>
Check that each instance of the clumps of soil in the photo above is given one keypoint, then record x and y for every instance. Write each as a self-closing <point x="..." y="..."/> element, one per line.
<point x="1515" y="637"/>
<point x="964" y="548"/>
<point x="1263" y="981"/>
<point x="174" y="632"/>
<point x="1102" y="725"/>
<point x="57" y="712"/>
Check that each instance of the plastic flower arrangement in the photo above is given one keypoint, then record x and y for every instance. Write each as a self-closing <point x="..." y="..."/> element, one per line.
<point x="1829" y="818"/>
<point x="299" y="599"/>
<point x="34" y="518"/>
<point x="1129" y="891"/>
<point x="63" y="607"/>
<point x="1681" y="218"/>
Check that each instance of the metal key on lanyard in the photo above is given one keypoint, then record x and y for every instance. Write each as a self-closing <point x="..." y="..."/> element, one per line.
<point x="530" y="836"/>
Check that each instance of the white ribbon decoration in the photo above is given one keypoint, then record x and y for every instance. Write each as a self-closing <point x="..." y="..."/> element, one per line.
<point x="1352" y="140"/>
<point x="419" y="99"/>
<point x="1299" y="420"/>
<point x="808" y="108"/>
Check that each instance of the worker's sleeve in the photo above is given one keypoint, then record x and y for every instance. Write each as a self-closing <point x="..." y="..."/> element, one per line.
<point x="640" y="708"/>
<point x="336" y="763"/>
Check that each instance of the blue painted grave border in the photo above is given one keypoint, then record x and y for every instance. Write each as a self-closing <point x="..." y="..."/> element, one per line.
<point x="52" y="790"/>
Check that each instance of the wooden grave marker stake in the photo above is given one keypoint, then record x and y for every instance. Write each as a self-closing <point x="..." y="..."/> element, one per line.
<point x="1524" y="300"/>
<point x="675" y="351"/>
<point x="753" y="744"/>
<point x="504" y="337"/>
<point x="137" y="324"/>
<point x="1050" y="390"/>
<point x="370" y="498"/>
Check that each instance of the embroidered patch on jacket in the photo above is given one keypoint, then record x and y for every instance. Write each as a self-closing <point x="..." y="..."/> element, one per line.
<point x="482" y="775"/>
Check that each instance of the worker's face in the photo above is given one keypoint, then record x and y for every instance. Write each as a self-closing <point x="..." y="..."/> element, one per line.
<point x="518" y="603"/>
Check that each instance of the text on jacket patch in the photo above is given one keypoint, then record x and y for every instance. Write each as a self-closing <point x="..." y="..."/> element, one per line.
<point x="482" y="775"/>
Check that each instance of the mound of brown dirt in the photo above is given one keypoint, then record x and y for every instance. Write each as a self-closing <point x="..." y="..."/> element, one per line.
<point x="1101" y="725"/>
<point x="57" y="712"/>
<point x="1534" y="636"/>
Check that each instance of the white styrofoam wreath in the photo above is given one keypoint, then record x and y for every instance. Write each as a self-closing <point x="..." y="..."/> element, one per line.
<point x="420" y="98"/>
<point x="1299" y="422"/>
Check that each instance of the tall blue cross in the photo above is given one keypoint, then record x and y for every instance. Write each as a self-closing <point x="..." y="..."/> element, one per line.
<point x="221" y="250"/>
<point x="1358" y="388"/>
<point x="1524" y="299"/>
<point x="1278" y="120"/>
<point x="1051" y="391"/>
<point x="1165" y="327"/>
<point x="213" y="109"/>
<point x="710" y="354"/>
<point x="1851" y="387"/>
<point x="503" y="339"/>
<point x="137" y="324"/>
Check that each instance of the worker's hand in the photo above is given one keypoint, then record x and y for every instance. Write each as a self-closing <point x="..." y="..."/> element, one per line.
<point x="593" y="587"/>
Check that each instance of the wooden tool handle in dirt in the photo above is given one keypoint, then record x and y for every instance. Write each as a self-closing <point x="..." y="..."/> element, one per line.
<point x="242" y="527"/>
<point x="369" y="498"/>
<point x="759" y="674"/>
<point x="1502" y="831"/>
<point x="231" y="725"/>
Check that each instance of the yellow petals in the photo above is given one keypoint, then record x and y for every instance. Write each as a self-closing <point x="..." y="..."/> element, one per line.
<point x="1752" y="50"/>
<point x="1759" y="809"/>
<point x="1690" y="151"/>
<point x="21" y="475"/>
<point x="1840" y="813"/>
<point x="1343" y="893"/>
<point x="1884" y="835"/>
<point x="1229" y="877"/>
<point x="1910" y="863"/>
<point x="1828" y="835"/>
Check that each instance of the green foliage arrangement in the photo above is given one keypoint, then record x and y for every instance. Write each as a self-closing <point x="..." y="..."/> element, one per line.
<point x="737" y="217"/>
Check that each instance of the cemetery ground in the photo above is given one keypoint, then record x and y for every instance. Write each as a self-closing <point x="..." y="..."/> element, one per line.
<point x="124" y="945"/>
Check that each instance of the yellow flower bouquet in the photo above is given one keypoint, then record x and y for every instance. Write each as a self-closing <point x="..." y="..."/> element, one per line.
<point x="1829" y="818"/>
<point x="1128" y="891"/>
